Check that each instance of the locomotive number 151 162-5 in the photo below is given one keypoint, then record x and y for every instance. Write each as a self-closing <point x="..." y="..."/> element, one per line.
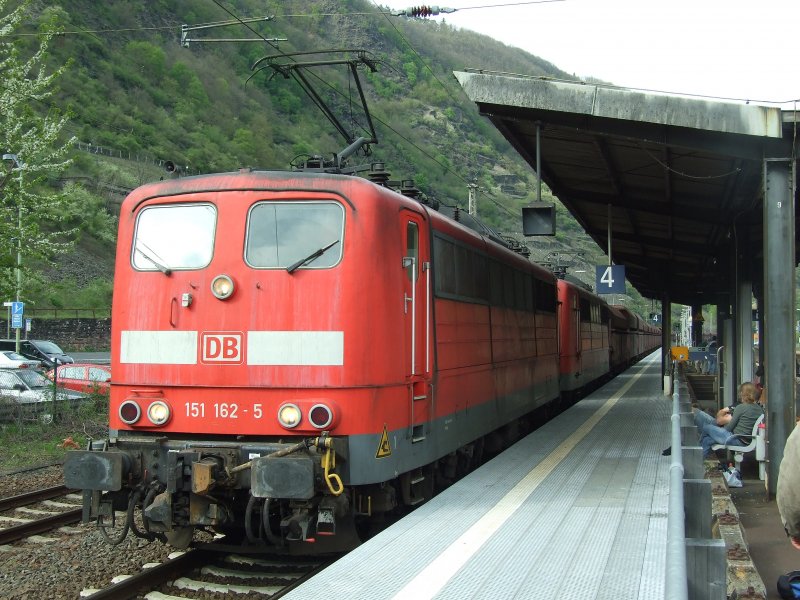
<point x="221" y="410"/>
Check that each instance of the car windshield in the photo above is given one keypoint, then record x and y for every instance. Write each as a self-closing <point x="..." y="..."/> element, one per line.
<point x="14" y="356"/>
<point x="178" y="236"/>
<point x="33" y="379"/>
<point x="48" y="347"/>
<point x="279" y="234"/>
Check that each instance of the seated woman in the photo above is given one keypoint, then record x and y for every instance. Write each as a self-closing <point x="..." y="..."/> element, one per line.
<point x="729" y="423"/>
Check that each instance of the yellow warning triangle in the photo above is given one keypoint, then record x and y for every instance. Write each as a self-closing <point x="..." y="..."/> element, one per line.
<point x="384" y="447"/>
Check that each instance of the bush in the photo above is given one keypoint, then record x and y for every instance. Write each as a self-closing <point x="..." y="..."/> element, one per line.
<point x="28" y="438"/>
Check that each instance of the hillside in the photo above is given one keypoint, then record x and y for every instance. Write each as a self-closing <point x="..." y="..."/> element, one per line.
<point x="135" y="92"/>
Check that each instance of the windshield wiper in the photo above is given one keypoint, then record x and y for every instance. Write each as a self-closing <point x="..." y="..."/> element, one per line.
<point x="158" y="265"/>
<point x="314" y="255"/>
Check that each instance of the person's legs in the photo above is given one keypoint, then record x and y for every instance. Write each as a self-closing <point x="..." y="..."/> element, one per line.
<point x="701" y="419"/>
<point x="713" y="434"/>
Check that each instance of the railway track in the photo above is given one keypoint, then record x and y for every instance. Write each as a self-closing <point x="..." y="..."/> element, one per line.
<point x="32" y="497"/>
<point x="204" y="573"/>
<point x="36" y="521"/>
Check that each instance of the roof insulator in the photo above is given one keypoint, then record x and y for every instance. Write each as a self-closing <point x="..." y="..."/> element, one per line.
<point x="408" y="188"/>
<point x="378" y="174"/>
<point x="423" y="11"/>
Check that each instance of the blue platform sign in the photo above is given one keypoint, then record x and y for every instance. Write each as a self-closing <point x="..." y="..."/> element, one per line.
<point x="609" y="279"/>
<point x="17" y="310"/>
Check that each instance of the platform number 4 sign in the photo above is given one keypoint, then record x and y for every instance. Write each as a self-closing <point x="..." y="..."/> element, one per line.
<point x="609" y="279"/>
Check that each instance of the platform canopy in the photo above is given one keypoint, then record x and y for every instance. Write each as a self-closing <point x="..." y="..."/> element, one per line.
<point x="683" y="175"/>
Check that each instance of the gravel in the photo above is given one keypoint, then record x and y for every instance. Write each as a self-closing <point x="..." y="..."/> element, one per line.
<point x="77" y="558"/>
<point x="20" y="482"/>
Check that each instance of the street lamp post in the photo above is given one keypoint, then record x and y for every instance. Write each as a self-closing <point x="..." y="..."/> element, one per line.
<point x="19" y="166"/>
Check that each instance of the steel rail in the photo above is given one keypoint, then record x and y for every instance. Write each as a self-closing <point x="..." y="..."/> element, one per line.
<point x="155" y="576"/>
<point x="32" y="497"/>
<point x="304" y="578"/>
<point x="18" y="532"/>
<point x="174" y="568"/>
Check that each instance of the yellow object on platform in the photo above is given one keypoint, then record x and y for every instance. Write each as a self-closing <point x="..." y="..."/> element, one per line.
<point x="680" y="353"/>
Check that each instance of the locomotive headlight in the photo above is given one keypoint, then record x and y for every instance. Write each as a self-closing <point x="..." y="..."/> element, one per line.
<point x="222" y="287"/>
<point x="289" y="415"/>
<point x="129" y="412"/>
<point x="158" y="412"/>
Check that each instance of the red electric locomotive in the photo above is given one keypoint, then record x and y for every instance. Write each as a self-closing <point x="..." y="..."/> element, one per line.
<point x="296" y="351"/>
<point x="584" y="331"/>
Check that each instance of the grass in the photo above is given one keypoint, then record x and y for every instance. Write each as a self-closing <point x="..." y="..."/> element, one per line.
<point x="26" y="442"/>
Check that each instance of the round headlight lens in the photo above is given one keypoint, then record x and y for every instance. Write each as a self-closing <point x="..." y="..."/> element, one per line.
<point x="289" y="415"/>
<point x="320" y="416"/>
<point x="222" y="287"/>
<point x="129" y="412"/>
<point x="158" y="412"/>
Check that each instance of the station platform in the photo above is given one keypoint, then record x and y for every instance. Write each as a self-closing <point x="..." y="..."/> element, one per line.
<point x="577" y="509"/>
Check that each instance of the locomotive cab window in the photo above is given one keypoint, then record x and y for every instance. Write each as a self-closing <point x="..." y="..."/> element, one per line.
<point x="175" y="236"/>
<point x="305" y="235"/>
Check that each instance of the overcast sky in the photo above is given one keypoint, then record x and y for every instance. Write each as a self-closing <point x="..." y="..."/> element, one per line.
<point x="744" y="49"/>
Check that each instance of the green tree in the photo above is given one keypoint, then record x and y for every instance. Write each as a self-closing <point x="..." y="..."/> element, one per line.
<point x="30" y="212"/>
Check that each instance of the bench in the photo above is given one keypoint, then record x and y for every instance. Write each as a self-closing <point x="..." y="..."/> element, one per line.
<point x="755" y="441"/>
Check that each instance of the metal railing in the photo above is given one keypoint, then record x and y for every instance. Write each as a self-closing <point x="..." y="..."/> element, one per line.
<point x="677" y="587"/>
<point x="67" y="313"/>
<point x="696" y="567"/>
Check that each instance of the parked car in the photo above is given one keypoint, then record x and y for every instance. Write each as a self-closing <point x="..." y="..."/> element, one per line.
<point x="83" y="377"/>
<point x="27" y="392"/>
<point x="12" y="360"/>
<point x="42" y="350"/>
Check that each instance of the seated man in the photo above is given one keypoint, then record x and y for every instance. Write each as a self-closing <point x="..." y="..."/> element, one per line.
<point x="728" y="424"/>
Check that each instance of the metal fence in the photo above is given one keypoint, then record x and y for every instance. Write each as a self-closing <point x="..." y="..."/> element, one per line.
<point x="67" y="313"/>
<point x="128" y="155"/>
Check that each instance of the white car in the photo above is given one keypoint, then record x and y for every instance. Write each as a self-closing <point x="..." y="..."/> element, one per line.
<point x="26" y="393"/>
<point x="10" y="359"/>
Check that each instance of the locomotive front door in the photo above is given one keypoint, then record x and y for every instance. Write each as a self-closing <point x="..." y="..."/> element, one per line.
<point x="417" y="299"/>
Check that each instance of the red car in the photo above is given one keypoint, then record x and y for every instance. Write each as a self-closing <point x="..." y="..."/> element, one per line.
<point x="84" y="377"/>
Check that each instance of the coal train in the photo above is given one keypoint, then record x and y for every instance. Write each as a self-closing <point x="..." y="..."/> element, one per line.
<point x="297" y="354"/>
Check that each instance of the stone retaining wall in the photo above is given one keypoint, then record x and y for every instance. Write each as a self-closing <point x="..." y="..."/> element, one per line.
<point x="73" y="335"/>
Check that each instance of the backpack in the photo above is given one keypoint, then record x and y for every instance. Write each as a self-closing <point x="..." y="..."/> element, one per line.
<point x="789" y="585"/>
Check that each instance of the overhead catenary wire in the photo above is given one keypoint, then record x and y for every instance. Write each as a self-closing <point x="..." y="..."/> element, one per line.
<point x="94" y="32"/>
<point x="427" y="154"/>
<point x="372" y="13"/>
<point x="349" y="100"/>
<point x="246" y="25"/>
<point x="287" y="16"/>
<point x="414" y="50"/>
<point x="89" y="31"/>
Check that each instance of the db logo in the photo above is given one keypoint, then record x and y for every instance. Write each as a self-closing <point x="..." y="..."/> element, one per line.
<point x="221" y="347"/>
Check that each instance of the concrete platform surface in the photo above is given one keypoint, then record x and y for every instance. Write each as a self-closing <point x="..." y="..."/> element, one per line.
<point x="769" y="547"/>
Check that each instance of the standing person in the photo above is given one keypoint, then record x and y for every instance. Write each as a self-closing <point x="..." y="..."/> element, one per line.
<point x="729" y="423"/>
